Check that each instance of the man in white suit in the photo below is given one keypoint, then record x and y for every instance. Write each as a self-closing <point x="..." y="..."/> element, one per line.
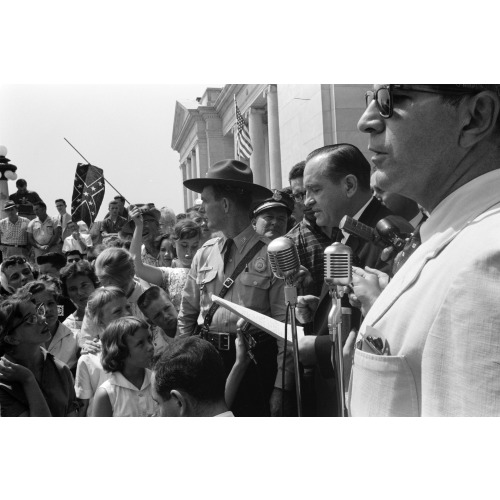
<point x="430" y="345"/>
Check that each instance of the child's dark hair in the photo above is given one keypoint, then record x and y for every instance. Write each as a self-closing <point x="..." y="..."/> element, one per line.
<point x="151" y="294"/>
<point x="114" y="347"/>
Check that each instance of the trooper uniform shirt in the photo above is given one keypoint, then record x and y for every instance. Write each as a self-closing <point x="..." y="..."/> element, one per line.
<point x="256" y="287"/>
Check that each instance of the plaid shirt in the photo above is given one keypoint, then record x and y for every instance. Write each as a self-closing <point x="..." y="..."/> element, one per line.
<point x="14" y="234"/>
<point x="311" y="243"/>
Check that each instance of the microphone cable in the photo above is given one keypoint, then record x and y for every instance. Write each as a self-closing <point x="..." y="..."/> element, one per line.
<point x="283" y="365"/>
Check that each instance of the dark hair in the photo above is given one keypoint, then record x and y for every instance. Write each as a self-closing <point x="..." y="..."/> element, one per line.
<point x="180" y="216"/>
<point x="21" y="183"/>
<point x="185" y="229"/>
<point x="150" y="295"/>
<point x="297" y="171"/>
<point x="10" y="314"/>
<point x="240" y="197"/>
<point x="14" y="260"/>
<point x="121" y="198"/>
<point x="114" y="347"/>
<point x="454" y="100"/>
<point x="192" y="365"/>
<point x="40" y="204"/>
<point x="60" y="200"/>
<point x="45" y="283"/>
<point x="82" y="268"/>
<point x="344" y="159"/>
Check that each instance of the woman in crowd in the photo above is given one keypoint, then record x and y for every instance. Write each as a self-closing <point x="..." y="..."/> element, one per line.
<point x="172" y="279"/>
<point x="78" y="282"/>
<point x="63" y="342"/>
<point x="105" y="305"/>
<point x="127" y="353"/>
<point x="32" y="382"/>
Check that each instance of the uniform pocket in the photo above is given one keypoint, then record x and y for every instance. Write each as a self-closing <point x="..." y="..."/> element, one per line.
<point x="382" y="386"/>
<point x="255" y="280"/>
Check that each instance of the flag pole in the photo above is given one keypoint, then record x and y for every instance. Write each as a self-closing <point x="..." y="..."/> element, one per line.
<point x="106" y="180"/>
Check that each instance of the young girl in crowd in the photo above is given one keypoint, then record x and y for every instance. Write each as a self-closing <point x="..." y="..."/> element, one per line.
<point x="78" y="282"/>
<point x="105" y="305"/>
<point x="32" y="382"/>
<point x="172" y="279"/>
<point x="167" y="251"/>
<point x="115" y="267"/>
<point x="127" y="353"/>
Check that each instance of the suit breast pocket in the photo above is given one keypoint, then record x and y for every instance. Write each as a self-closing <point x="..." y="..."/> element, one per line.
<point x="382" y="386"/>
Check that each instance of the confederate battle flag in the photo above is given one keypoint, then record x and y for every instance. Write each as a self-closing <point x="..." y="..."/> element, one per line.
<point x="88" y="193"/>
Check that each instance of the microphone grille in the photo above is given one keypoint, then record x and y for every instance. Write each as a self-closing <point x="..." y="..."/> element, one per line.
<point x="283" y="257"/>
<point x="338" y="264"/>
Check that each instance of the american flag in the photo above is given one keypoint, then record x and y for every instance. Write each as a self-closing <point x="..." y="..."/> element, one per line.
<point x="243" y="143"/>
<point x="88" y="193"/>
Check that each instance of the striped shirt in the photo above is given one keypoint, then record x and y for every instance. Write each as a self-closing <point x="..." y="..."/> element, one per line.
<point x="311" y="242"/>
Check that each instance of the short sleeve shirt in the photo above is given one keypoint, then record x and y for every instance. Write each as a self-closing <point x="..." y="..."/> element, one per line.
<point x="43" y="231"/>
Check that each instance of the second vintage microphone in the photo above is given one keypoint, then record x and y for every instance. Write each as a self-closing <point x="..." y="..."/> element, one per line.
<point x="338" y="275"/>
<point x="285" y="264"/>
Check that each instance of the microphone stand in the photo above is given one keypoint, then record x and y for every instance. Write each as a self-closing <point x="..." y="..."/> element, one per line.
<point x="291" y="300"/>
<point x="335" y="329"/>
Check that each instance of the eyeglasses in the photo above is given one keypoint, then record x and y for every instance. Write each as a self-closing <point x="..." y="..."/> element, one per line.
<point x="32" y="319"/>
<point x="384" y="96"/>
<point x="299" y="197"/>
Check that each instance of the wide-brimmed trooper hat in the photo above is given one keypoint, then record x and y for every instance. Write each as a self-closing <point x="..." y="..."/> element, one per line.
<point x="230" y="173"/>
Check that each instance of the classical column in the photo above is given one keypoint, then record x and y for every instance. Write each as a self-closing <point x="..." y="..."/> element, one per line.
<point x="189" y="175"/>
<point x="274" y="136"/>
<point x="257" y="158"/>
<point x="194" y="173"/>
<point x="184" y="188"/>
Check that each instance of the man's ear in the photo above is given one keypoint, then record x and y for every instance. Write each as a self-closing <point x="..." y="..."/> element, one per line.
<point x="254" y="223"/>
<point x="478" y="117"/>
<point x="226" y="202"/>
<point x="350" y="184"/>
<point x="181" y="402"/>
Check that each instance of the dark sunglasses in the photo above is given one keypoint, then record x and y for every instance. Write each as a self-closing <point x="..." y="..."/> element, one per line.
<point x="384" y="97"/>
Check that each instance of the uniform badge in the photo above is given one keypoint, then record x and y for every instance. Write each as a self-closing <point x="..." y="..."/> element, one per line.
<point x="277" y="195"/>
<point x="260" y="264"/>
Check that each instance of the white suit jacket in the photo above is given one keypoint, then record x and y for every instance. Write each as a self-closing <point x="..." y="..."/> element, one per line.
<point x="441" y="318"/>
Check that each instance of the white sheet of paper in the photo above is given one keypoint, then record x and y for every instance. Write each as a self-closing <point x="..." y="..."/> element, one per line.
<point x="261" y="321"/>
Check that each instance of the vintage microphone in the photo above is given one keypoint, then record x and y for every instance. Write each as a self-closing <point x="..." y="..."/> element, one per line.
<point x="285" y="264"/>
<point x="338" y="275"/>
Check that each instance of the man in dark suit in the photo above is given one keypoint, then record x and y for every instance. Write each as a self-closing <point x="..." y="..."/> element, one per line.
<point x="337" y="183"/>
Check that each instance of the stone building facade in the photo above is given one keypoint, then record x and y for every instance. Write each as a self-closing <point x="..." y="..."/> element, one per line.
<point x="286" y="122"/>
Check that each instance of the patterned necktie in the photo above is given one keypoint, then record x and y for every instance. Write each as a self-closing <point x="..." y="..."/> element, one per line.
<point x="413" y="243"/>
<point x="227" y="251"/>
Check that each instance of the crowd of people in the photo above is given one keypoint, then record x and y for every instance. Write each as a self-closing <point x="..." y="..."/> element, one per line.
<point x="119" y="319"/>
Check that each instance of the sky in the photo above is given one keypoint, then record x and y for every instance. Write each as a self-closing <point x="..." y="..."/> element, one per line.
<point x="124" y="129"/>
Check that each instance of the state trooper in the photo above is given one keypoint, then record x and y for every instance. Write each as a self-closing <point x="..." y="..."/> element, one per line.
<point x="235" y="266"/>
